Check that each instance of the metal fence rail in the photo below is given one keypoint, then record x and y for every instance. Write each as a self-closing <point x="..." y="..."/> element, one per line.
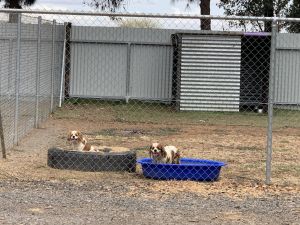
<point x="171" y="73"/>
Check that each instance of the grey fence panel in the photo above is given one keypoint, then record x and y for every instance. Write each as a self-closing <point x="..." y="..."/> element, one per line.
<point x="121" y="34"/>
<point x="288" y="41"/>
<point x="7" y="81"/>
<point x="28" y="74"/>
<point x="149" y="65"/>
<point x="46" y="32"/>
<point x="45" y="72"/>
<point x="27" y="87"/>
<point x="28" y="71"/>
<point x="8" y="30"/>
<point x="151" y="72"/>
<point x="5" y="58"/>
<point x="57" y="70"/>
<point x="287" y="70"/>
<point x="8" y="58"/>
<point x="45" y="78"/>
<point x="58" y="53"/>
<point x="98" y="70"/>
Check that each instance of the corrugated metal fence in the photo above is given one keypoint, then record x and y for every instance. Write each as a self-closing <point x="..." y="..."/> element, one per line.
<point x="29" y="74"/>
<point x="130" y="63"/>
<point x="121" y="63"/>
<point x="287" y="79"/>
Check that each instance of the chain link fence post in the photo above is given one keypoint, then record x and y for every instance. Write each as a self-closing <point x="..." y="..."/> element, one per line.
<point x="17" y="80"/>
<point x="63" y="68"/>
<point x="127" y="95"/>
<point x="52" y="64"/>
<point x="271" y="100"/>
<point x="36" y="124"/>
<point x="10" y="71"/>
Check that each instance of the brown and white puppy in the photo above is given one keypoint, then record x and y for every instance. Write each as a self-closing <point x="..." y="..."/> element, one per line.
<point x="164" y="154"/>
<point x="79" y="143"/>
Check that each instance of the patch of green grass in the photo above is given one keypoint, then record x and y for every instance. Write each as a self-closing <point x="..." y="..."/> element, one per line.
<point x="64" y="113"/>
<point x="249" y="148"/>
<point x="132" y="132"/>
<point x="281" y="149"/>
<point x="143" y="148"/>
<point x="152" y="112"/>
<point x="167" y="131"/>
<point x="251" y="166"/>
<point x="105" y="132"/>
<point x="209" y="118"/>
<point x="291" y="169"/>
<point x="285" y="141"/>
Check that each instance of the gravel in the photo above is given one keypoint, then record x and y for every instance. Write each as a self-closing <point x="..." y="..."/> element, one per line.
<point x="104" y="202"/>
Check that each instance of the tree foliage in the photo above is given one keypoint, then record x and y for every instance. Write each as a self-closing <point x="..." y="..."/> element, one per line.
<point x="256" y="8"/>
<point x="106" y="5"/>
<point x="294" y="12"/>
<point x="17" y="4"/>
<point x="264" y="8"/>
<point x="114" y="5"/>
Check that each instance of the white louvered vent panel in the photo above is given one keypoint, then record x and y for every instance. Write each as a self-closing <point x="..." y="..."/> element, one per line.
<point x="210" y="73"/>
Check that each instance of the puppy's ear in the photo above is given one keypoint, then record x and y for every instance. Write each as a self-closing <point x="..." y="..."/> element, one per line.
<point x="80" y="136"/>
<point x="69" y="136"/>
<point x="150" y="151"/>
<point x="162" y="149"/>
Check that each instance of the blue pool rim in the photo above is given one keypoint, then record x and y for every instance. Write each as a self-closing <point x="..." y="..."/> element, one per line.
<point x="188" y="169"/>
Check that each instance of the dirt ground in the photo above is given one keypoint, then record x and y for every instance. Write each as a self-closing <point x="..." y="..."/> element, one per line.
<point x="32" y="193"/>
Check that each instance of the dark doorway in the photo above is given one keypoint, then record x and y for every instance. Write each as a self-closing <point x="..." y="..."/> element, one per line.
<point x="255" y="67"/>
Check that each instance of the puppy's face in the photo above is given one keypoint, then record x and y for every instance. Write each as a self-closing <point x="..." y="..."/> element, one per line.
<point x="157" y="150"/>
<point x="74" y="136"/>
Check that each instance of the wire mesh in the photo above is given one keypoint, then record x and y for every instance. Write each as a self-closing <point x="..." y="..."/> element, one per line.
<point x="286" y="104"/>
<point x="26" y="81"/>
<point x="155" y="71"/>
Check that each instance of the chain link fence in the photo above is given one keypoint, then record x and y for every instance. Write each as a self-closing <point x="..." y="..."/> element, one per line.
<point x="157" y="70"/>
<point x="31" y="51"/>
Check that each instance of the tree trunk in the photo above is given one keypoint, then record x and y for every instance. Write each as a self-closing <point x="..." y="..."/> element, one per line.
<point x="268" y="12"/>
<point x="205" y="24"/>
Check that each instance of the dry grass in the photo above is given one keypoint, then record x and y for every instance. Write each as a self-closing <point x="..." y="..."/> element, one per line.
<point x="242" y="147"/>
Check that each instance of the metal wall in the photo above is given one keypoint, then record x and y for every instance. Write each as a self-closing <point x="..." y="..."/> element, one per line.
<point x="25" y="97"/>
<point x="287" y="79"/>
<point x="210" y="72"/>
<point x="151" y="69"/>
<point x="28" y="57"/>
<point x="121" y="63"/>
<point x="98" y="70"/>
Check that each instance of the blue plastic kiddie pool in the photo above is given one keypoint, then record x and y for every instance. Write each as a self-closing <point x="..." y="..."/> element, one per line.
<point x="188" y="169"/>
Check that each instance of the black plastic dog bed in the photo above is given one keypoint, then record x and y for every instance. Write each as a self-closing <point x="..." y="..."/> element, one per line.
<point x="92" y="161"/>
